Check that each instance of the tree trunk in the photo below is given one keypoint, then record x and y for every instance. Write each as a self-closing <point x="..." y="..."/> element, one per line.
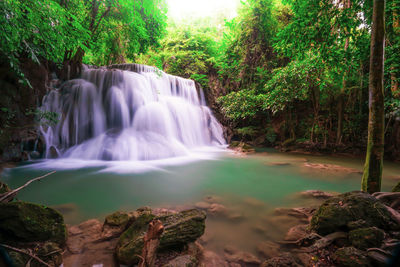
<point x="395" y="87"/>
<point x="371" y="180"/>
<point x="339" y="133"/>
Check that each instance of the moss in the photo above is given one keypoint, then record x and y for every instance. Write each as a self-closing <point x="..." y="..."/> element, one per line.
<point x="364" y="238"/>
<point x="350" y="257"/>
<point x="336" y="213"/>
<point x="28" y="222"/>
<point x="130" y="243"/>
<point x="117" y="219"/>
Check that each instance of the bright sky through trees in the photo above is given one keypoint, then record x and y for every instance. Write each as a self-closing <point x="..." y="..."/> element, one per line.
<point x="180" y="9"/>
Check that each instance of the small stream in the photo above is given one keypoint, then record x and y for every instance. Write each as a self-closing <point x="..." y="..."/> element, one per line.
<point x="250" y="188"/>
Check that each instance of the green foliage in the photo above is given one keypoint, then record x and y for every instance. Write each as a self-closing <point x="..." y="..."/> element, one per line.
<point x="293" y="83"/>
<point x="106" y="30"/>
<point x="188" y="51"/>
<point x="244" y="104"/>
<point x="46" y="118"/>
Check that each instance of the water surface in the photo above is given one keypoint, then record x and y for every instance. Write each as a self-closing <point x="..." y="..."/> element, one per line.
<point x="249" y="187"/>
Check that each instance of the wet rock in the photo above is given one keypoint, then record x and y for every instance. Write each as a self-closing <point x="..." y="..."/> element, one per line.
<point x="217" y="209"/>
<point x="316" y="194"/>
<point x="86" y="246"/>
<point x="116" y="223"/>
<point x="296" y="232"/>
<point x="329" y="167"/>
<point x="118" y="219"/>
<point x="300" y="213"/>
<point x="180" y="228"/>
<point x="241" y="146"/>
<point x="211" y="259"/>
<point x="335" y="213"/>
<point x="182" y="261"/>
<point x="241" y="257"/>
<point x="364" y="238"/>
<point x="202" y="205"/>
<point x="268" y="249"/>
<point x="27" y="222"/>
<point x="284" y="260"/>
<point x="79" y="236"/>
<point x="350" y="257"/>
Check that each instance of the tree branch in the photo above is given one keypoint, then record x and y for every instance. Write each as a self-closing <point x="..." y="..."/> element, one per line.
<point x="6" y="197"/>
<point x="27" y="253"/>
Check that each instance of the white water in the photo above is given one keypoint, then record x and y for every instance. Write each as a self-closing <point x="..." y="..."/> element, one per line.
<point x="134" y="114"/>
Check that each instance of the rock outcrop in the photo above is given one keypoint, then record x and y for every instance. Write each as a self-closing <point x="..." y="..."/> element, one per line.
<point x="179" y="229"/>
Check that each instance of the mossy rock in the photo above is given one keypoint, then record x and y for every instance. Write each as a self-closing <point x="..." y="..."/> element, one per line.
<point x="179" y="229"/>
<point x="130" y="243"/>
<point x="396" y="188"/>
<point x="28" y="222"/>
<point x="365" y="238"/>
<point x="4" y="188"/>
<point x="119" y="219"/>
<point x="336" y="213"/>
<point x="350" y="257"/>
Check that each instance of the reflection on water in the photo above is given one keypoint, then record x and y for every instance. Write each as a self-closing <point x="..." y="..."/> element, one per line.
<point x="248" y="189"/>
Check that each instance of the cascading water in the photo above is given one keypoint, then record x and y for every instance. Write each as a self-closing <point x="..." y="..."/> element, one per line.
<point x="128" y="112"/>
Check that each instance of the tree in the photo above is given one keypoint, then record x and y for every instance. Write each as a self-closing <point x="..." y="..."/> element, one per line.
<point x="371" y="180"/>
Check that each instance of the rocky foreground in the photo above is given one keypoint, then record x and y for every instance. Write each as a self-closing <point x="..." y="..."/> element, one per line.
<point x="351" y="229"/>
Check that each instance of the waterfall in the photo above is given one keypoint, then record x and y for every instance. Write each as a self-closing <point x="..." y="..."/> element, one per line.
<point x="128" y="112"/>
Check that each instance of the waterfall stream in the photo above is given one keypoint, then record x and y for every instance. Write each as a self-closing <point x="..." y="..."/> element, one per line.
<point x="128" y="112"/>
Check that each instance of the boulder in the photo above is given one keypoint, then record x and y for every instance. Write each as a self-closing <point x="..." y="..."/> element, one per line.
<point x="337" y="212"/>
<point x="365" y="238"/>
<point x="27" y="222"/>
<point x="179" y="229"/>
<point x="350" y="257"/>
